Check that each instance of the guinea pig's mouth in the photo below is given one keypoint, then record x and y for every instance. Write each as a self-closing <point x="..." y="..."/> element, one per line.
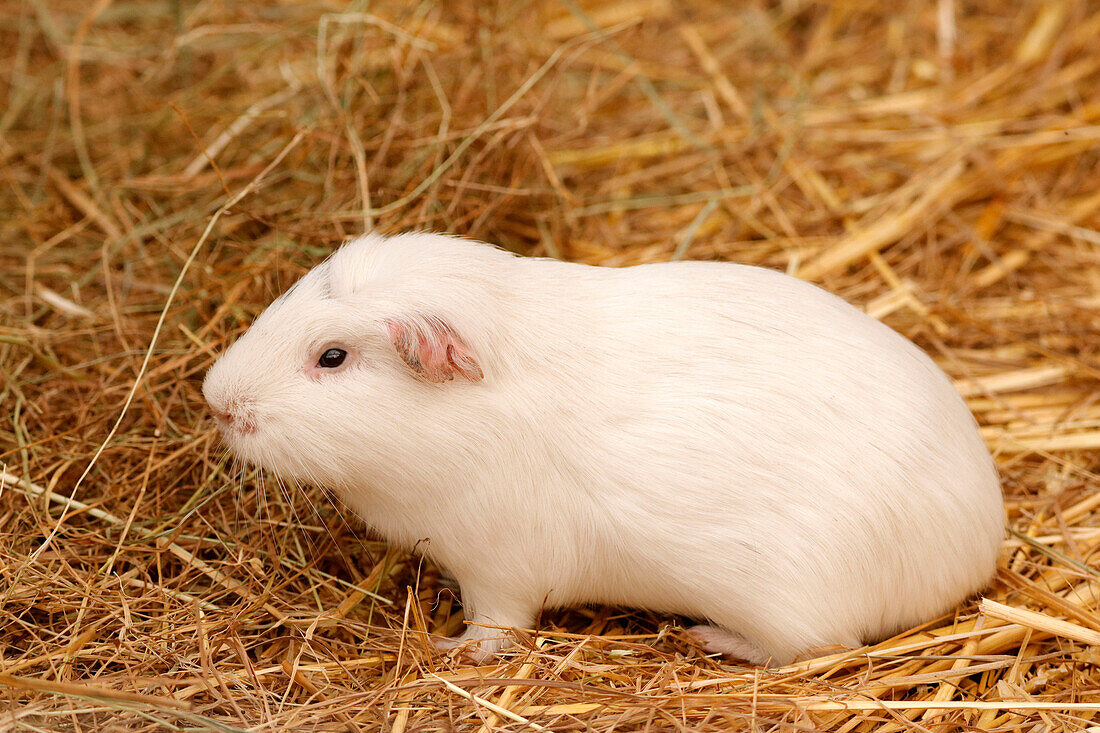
<point x="238" y="433"/>
<point x="240" y="439"/>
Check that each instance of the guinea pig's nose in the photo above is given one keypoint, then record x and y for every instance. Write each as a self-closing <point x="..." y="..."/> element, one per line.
<point x="234" y="418"/>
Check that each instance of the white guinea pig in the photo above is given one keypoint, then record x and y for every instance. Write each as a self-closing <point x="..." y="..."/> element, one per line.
<point x="709" y="439"/>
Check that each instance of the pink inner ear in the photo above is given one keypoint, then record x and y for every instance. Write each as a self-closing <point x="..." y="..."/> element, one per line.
<point x="433" y="350"/>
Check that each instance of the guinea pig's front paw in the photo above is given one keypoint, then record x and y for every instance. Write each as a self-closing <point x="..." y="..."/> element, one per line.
<point x="479" y="644"/>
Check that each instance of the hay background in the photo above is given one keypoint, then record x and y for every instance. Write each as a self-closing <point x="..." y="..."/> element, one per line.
<point x="935" y="163"/>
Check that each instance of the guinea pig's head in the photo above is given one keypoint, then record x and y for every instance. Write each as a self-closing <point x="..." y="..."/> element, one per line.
<point x="338" y="366"/>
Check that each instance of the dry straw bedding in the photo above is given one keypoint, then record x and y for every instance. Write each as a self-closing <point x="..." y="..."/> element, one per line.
<point x="933" y="162"/>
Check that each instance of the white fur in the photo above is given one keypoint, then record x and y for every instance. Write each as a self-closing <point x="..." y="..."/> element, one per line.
<point x="710" y="439"/>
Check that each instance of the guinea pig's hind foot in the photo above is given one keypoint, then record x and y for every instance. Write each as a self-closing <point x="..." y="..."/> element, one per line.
<point x="717" y="640"/>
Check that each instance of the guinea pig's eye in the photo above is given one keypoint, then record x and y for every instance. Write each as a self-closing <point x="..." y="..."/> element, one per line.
<point x="332" y="358"/>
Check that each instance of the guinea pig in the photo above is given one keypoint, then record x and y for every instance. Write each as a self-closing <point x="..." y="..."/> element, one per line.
<point x="709" y="439"/>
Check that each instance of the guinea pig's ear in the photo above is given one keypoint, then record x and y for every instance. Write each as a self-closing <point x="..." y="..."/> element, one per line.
<point x="433" y="350"/>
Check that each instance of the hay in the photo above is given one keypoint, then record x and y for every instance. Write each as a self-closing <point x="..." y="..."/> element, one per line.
<point x="168" y="168"/>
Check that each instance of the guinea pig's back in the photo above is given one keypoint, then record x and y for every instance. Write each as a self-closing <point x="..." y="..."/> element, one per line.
<point x="785" y="441"/>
